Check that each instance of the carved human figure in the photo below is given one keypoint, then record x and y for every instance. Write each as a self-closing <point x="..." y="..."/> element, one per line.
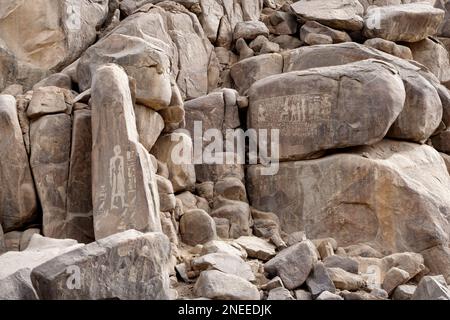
<point x="117" y="178"/>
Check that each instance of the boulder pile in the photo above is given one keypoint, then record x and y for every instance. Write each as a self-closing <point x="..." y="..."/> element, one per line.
<point x="237" y="150"/>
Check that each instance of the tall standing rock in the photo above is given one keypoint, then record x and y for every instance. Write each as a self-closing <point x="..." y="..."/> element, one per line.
<point x="124" y="191"/>
<point x="50" y="138"/>
<point x="17" y="193"/>
<point x="79" y="222"/>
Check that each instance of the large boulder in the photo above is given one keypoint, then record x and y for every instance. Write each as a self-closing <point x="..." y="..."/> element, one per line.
<point x="127" y="265"/>
<point x="224" y="262"/>
<point x="56" y="33"/>
<point x="405" y="22"/>
<point x="124" y="191"/>
<point x="18" y="202"/>
<point x="337" y="14"/>
<point x="214" y="284"/>
<point x="432" y="54"/>
<point x="50" y="138"/>
<point x="15" y="267"/>
<point x="174" y="31"/>
<point x="294" y="264"/>
<point x="197" y="227"/>
<point x="425" y="96"/>
<point x="432" y="288"/>
<point x="393" y="195"/>
<point x="247" y="71"/>
<point x="327" y="108"/>
<point x="149" y="66"/>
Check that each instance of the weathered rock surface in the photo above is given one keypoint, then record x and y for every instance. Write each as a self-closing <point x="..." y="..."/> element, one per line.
<point x="79" y="220"/>
<point x="149" y="125"/>
<point x="329" y="296"/>
<point x="346" y="263"/>
<point x="322" y="109"/>
<point x="238" y="215"/>
<point x="432" y="288"/>
<point x="248" y="71"/>
<point x="280" y="294"/>
<point x="421" y="114"/>
<point x="56" y="33"/>
<point x="217" y="246"/>
<point x="17" y="286"/>
<point x="404" y="292"/>
<point x="355" y="203"/>
<point x="18" y="202"/>
<point x="313" y="27"/>
<point x="319" y="280"/>
<point x="433" y="55"/>
<point x="405" y="22"/>
<point x="214" y="284"/>
<point x="141" y="60"/>
<point x="219" y="18"/>
<point x="293" y="264"/>
<point x="393" y="278"/>
<point x="15" y="267"/>
<point x="390" y="47"/>
<point x="171" y="29"/>
<point x="50" y="138"/>
<point x="2" y="241"/>
<point x="127" y="265"/>
<point x="344" y="280"/>
<point x="338" y="14"/>
<point x="224" y="262"/>
<point x="125" y="195"/>
<point x="437" y="260"/>
<point x="197" y="227"/>
<point x="257" y="248"/>
<point x="175" y="150"/>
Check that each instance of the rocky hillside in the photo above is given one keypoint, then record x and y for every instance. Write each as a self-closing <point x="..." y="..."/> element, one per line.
<point x="225" y="149"/>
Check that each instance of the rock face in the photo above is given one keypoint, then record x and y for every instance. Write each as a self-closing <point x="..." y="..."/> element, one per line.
<point x="378" y="194"/>
<point x="124" y="191"/>
<point x="17" y="192"/>
<point x="406" y="22"/>
<point x="322" y="109"/>
<point x="338" y="14"/>
<point x="127" y="265"/>
<point x="56" y="34"/>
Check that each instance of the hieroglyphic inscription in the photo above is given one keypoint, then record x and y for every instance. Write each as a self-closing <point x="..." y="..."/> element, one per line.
<point x="298" y="112"/>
